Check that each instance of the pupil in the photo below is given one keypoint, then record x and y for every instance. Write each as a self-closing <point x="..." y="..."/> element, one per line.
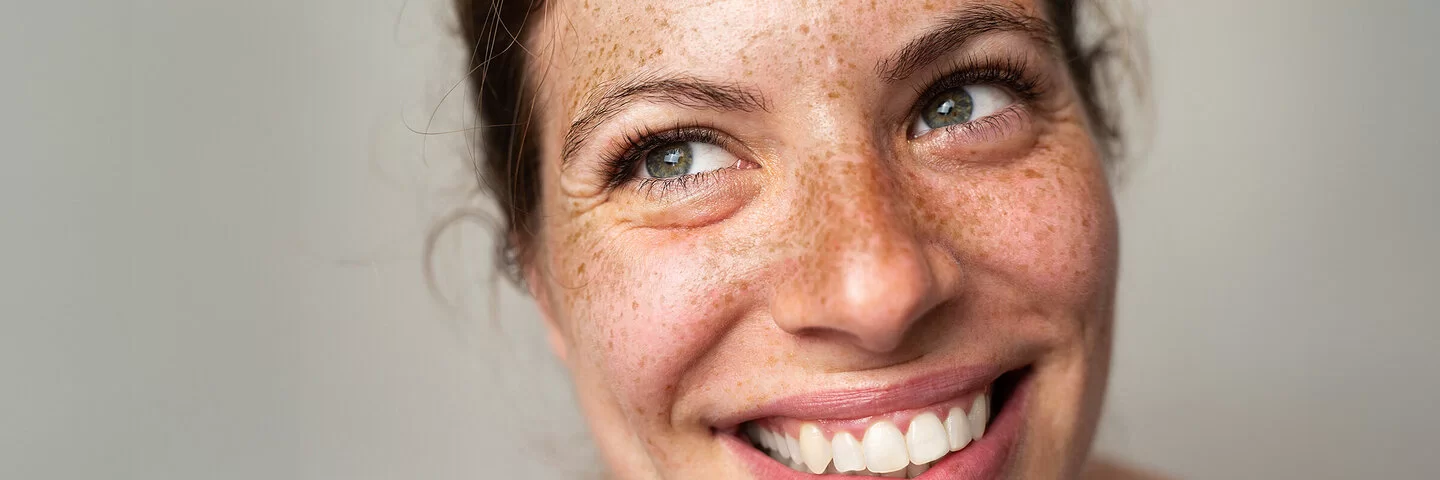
<point x="669" y="161"/>
<point x="952" y="108"/>
<point x="946" y="107"/>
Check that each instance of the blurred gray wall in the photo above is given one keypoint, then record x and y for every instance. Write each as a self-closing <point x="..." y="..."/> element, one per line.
<point x="214" y="215"/>
<point x="1280" y="297"/>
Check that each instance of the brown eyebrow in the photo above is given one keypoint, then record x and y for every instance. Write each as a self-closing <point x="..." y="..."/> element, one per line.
<point x="955" y="31"/>
<point x="687" y="92"/>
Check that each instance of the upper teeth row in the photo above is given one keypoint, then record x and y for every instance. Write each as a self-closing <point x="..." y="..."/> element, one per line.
<point x="884" y="449"/>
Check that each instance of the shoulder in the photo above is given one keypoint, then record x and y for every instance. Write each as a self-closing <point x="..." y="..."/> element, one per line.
<point x="1107" y="469"/>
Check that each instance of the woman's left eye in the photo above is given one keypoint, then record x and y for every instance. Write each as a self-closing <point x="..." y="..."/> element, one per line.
<point x="960" y="105"/>
<point x="684" y="158"/>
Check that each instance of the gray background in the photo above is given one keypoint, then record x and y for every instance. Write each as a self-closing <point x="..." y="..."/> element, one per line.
<point x="214" y="212"/>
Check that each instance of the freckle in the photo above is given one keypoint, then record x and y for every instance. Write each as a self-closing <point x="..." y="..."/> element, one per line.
<point x="804" y="29"/>
<point x="1029" y="173"/>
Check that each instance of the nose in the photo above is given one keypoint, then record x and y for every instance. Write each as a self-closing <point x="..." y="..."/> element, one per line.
<point x="862" y="274"/>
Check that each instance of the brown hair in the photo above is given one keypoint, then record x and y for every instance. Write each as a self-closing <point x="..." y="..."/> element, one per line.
<point x="508" y="168"/>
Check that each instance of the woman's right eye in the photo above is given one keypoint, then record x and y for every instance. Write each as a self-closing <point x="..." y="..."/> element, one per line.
<point x="679" y="159"/>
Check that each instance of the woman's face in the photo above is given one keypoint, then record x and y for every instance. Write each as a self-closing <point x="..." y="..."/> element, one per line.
<point x="848" y="235"/>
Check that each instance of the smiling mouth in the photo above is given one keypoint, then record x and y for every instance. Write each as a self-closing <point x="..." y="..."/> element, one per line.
<point x="902" y="444"/>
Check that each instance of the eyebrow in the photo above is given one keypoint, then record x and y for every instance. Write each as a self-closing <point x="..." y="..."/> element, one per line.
<point x="688" y="92"/>
<point x="955" y="31"/>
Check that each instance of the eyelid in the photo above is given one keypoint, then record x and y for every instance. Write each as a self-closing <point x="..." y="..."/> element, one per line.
<point x="995" y="127"/>
<point x="1014" y="75"/>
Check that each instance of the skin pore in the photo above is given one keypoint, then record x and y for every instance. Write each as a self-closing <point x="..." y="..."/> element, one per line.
<point x="835" y="240"/>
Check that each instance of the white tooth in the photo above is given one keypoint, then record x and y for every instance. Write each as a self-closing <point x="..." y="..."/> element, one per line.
<point x="781" y="445"/>
<point x="957" y="427"/>
<point x="793" y="446"/>
<point x="979" y="413"/>
<point x="926" y="440"/>
<point x="914" y="470"/>
<point x="814" y="448"/>
<point x="885" y="448"/>
<point x="767" y="438"/>
<point x="895" y="474"/>
<point x="849" y="456"/>
<point x="757" y="435"/>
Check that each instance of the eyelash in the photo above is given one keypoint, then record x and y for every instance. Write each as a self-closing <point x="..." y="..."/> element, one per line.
<point x="1012" y="74"/>
<point x="622" y="162"/>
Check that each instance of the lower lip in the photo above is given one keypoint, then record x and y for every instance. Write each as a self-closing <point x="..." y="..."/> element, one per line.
<point x="980" y="460"/>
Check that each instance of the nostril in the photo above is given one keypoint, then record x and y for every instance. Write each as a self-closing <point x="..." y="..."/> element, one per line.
<point x="826" y="334"/>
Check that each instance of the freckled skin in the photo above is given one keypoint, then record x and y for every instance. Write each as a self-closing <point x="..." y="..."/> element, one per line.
<point x="851" y="253"/>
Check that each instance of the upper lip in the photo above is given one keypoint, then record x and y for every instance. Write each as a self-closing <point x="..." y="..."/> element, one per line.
<point x="870" y="398"/>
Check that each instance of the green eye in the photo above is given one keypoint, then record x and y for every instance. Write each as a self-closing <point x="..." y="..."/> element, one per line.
<point x="682" y="159"/>
<point x="960" y="106"/>
<point x="952" y="107"/>
<point x="669" y="161"/>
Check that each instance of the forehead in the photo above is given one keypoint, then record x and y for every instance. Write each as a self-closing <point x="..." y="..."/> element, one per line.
<point x="592" y="42"/>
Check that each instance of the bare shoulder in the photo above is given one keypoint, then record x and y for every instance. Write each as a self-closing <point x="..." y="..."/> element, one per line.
<point x="1107" y="469"/>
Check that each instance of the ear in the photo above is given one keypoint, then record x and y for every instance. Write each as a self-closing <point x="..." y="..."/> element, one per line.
<point x="540" y="292"/>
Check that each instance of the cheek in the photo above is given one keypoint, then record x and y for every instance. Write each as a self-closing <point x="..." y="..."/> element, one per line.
<point x="642" y="311"/>
<point x="1047" y="226"/>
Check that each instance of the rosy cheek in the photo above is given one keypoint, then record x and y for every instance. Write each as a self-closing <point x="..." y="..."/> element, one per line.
<point x="1066" y="231"/>
<point x="646" y="312"/>
<point x="1048" y="227"/>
